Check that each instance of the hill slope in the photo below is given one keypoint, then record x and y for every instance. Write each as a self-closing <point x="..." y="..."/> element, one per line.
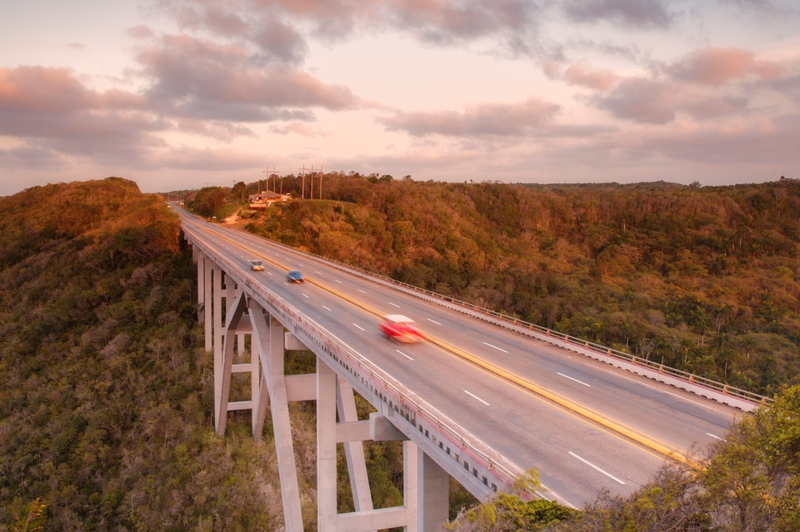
<point x="703" y="279"/>
<point x="105" y="395"/>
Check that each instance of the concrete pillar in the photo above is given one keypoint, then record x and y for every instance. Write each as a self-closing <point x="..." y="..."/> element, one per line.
<point x="236" y="312"/>
<point x="433" y="493"/>
<point x="216" y="328"/>
<point x="267" y="345"/>
<point x="354" y="450"/>
<point x="411" y="456"/>
<point x="326" y="448"/>
<point x="201" y="289"/>
<point x="207" y="302"/>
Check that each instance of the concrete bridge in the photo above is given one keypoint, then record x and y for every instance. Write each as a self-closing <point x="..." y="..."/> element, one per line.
<point x="484" y="399"/>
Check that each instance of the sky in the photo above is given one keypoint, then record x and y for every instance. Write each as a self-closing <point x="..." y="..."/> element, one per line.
<point x="179" y="94"/>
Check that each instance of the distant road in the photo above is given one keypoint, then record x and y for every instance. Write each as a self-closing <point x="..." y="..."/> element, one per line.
<point x="575" y="455"/>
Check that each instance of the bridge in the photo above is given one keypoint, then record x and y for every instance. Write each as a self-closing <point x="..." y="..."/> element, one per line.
<point x="484" y="399"/>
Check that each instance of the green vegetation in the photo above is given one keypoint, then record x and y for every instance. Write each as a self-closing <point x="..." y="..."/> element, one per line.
<point x="106" y="395"/>
<point x="705" y="279"/>
<point x="751" y="483"/>
<point x="105" y="401"/>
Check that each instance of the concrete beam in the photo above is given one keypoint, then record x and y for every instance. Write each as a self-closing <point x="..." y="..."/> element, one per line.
<point x="293" y="343"/>
<point x="373" y="520"/>
<point x="301" y="387"/>
<point x="353" y="431"/>
<point x="381" y="429"/>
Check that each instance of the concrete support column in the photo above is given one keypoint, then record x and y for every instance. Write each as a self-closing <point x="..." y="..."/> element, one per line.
<point x="433" y="493"/>
<point x="268" y="346"/>
<point x="216" y="332"/>
<point x="326" y="448"/>
<point x="354" y="450"/>
<point x="201" y="289"/>
<point x="411" y="459"/>
<point x="207" y="302"/>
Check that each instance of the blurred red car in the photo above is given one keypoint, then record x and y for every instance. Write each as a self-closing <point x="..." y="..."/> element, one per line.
<point x="400" y="328"/>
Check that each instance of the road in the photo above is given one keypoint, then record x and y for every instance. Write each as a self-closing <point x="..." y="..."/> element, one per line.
<point x="575" y="455"/>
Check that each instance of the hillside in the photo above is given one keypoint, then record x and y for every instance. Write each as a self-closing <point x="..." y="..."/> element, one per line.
<point x="705" y="279"/>
<point x="105" y="397"/>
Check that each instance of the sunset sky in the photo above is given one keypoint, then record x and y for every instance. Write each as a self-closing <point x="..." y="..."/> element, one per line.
<point x="180" y="94"/>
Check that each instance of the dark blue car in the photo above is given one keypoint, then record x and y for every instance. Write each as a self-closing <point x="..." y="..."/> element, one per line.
<point x="294" y="276"/>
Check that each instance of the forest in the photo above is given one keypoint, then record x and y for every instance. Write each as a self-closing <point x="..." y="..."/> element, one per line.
<point x="106" y="396"/>
<point x="704" y="279"/>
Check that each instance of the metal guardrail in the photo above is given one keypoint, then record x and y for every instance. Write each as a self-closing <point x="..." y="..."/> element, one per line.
<point x="505" y="471"/>
<point x="687" y="377"/>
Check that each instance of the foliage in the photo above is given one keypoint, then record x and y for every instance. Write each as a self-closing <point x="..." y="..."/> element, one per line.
<point x="706" y="279"/>
<point x="751" y="483"/>
<point x="208" y="201"/>
<point x="105" y="399"/>
<point x="507" y="512"/>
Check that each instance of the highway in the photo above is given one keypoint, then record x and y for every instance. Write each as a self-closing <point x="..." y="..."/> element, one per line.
<point x="606" y="428"/>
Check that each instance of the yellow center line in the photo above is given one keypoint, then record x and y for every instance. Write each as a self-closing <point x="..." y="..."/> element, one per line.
<point x="581" y="411"/>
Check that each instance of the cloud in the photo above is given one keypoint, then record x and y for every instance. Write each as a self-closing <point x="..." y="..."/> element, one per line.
<point x="140" y="32"/>
<point x="280" y="41"/>
<point x="478" y="120"/>
<point x="512" y="23"/>
<point x="637" y="13"/>
<point x="39" y="89"/>
<point x="298" y="128"/>
<point x="204" y="79"/>
<point x="640" y="100"/>
<point x="717" y="66"/>
<point x="581" y="75"/>
<point x="205" y="159"/>
<point x="761" y="141"/>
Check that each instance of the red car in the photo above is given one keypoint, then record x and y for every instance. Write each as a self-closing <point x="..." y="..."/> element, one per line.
<point x="400" y="328"/>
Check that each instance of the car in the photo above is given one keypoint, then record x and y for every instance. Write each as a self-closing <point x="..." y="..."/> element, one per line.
<point x="294" y="276"/>
<point x="400" y="329"/>
<point x="256" y="265"/>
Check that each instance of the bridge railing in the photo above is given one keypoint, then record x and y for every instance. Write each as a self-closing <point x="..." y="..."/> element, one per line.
<point x="505" y="471"/>
<point x="685" y="376"/>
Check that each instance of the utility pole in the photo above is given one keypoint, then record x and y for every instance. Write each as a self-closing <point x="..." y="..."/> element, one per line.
<point x="312" y="182"/>
<point x="266" y="180"/>
<point x="321" y="173"/>
<point x="303" y="187"/>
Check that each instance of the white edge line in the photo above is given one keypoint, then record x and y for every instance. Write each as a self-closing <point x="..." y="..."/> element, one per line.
<point x="494" y="346"/>
<point x="405" y="355"/>
<point x="476" y="397"/>
<point x="609" y="475"/>
<point x="717" y="437"/>
<point x="572" y="379"/>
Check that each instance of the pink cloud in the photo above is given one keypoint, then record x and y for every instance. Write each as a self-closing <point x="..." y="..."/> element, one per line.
<point x="599" y="80"/>
<point x="484" y="119"/>
<point x="223" y="81"/>
<point x="717" y="66"/>
<point x="56" y="91"/>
